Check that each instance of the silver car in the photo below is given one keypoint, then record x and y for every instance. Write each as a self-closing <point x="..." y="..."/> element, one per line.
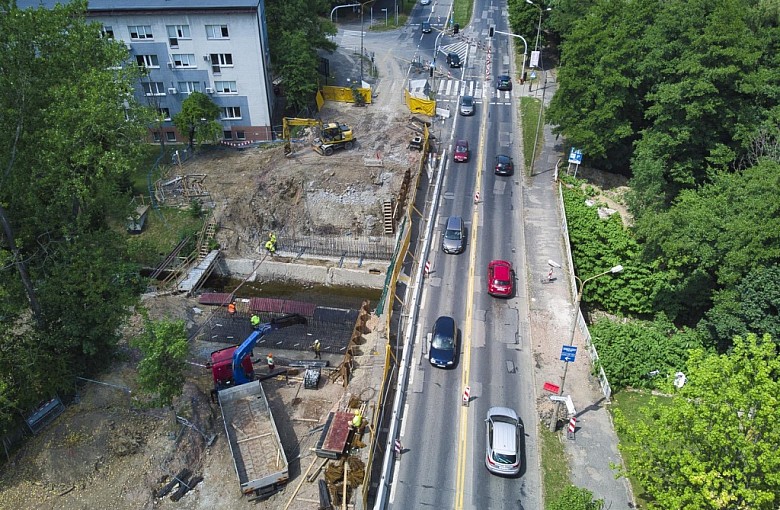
<point x="453" y="239"/>
<point x="502" y="449"/>
<point x="467" y="105"/>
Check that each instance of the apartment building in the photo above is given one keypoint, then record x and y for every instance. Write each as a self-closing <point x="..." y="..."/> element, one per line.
<point x="218" y="47"/>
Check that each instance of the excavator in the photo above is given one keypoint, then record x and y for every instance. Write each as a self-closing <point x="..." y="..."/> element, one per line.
<point x="332" y="135"/>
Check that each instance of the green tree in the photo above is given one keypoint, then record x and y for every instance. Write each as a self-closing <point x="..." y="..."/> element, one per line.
<point x="198" y="119"/>
<point x="161" y="371"/>
<point x="576" y="498"/>
<point x="715" y="445"/>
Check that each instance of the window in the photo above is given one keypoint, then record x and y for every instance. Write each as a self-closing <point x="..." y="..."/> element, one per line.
<point x="140" y="32"/>
<point x="240" y="135"/>
<point x="154" y="88"/>
<point x="226" y="87"/>
<point x="176" y="32"/>
<point x="170" y="136"/>
<point x="184" y="60"/>
<point x="165" y="113"/>
<point x="108" y="31"/>
<point x="231" y="112"/>
<point x="188" y="87"/>
<point x="217" y="32"/>
<point x="227" y="134"/>
<point x="147" y="60"/>
<point x="156" y="136"/>
<point x="220" y="60"/>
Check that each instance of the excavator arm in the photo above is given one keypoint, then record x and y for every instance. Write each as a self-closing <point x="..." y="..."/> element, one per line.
<point x="288" y="122"/>
<point x="239" y="377"/>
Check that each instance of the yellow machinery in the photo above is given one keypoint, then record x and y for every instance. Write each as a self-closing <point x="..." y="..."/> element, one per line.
<point x="332" y="135"/>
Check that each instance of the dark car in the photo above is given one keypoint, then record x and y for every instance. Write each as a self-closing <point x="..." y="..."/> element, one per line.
<point x="504" y="165"/>
<point x="504" y="82"/>
<point x="453" y="59"/>
<point x="461" y="154"/>
<point x="453" y="240"/>
<point x="426" y="27"/>
<point x="444" y="343"/>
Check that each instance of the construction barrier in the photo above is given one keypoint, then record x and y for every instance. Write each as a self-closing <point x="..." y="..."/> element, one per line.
<point x="345" y="94"/>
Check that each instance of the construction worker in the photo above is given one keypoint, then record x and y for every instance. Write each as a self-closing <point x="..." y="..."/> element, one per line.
<point x="255" y="321"/>
<point x="270" y="246"/>
<point x="232" y="308"/>
<point x="270" y="360"/>
<point x="317" y="348"/>
<point x="357" y="421"/>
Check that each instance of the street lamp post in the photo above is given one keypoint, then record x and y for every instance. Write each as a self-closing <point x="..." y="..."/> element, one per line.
<point x="385" y="11"/>
<point x="539" y="27"/>
<point x="615" y="269"/>
<point x="525" y="48"/>
<point x="362" y="8"/>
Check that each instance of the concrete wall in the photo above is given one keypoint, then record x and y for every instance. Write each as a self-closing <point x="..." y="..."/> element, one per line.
<point x="371" y="275"/>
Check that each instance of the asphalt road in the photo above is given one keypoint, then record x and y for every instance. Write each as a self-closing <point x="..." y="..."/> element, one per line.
<point x="442" y="465"/>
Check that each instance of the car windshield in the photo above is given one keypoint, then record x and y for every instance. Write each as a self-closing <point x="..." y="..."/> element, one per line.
<point x="503" y="458"/>
<point x="453" y="234"/>
<point x="461" y="148"/>
<point x="501" y="283"/>
<point x="468" y="101"/>
<point x="443" y="342"/>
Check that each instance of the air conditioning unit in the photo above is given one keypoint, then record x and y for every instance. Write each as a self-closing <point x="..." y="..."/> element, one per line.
<point x="172" y="90"/>
<point x="209" y="90"/>
<point x="171" y="65"/>
<point x="206" y="58"/>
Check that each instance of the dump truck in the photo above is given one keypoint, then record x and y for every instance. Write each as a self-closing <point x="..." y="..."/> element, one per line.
<point x="258" y="455"/>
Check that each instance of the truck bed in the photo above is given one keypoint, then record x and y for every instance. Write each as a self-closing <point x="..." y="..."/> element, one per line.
<point x="254" y="441"/>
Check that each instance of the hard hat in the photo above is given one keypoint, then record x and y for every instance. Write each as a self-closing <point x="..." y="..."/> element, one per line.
<point x="270" y="355"/>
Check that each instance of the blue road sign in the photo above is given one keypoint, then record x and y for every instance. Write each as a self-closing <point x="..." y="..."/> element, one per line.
<point x="575" y="156"/>
<point x="568" y="353"/>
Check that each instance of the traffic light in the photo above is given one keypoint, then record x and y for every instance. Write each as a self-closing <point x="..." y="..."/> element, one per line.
<point x="491" y="31"/>
<point x="455" y="28"/>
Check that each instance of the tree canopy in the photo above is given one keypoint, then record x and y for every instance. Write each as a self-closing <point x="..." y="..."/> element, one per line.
<point x="715" y="445"/>
<point x="199" y="119"/>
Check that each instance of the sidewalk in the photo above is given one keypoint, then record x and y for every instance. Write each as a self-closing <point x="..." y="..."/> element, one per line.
<point x="594" y="450"/>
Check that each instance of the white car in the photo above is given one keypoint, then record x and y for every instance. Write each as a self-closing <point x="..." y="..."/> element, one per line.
<point x="425" y="2"/>
<point x="502" y="438"/>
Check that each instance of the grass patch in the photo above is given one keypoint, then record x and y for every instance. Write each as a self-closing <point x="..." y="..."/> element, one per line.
<point x="629" y="403"/>
<point x="529" y="113"/>
<point x="555" y="469"/>
<point x="164" y="229"/>
<point x="461" y="12"/>
<point x="379" y="22"/>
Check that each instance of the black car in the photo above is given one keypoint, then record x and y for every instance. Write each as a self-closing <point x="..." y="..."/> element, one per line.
<point x="444" y="343"/>
<point x="426" y="27"/>
<point x="504" y="82"/>
<point x="504" y="165"/>
<point x="453" y="59"/>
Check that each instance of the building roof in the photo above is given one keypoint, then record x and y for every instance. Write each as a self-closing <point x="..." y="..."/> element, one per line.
<point x="147" y="5"/>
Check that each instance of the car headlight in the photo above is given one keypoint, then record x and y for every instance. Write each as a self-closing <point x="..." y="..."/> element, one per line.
<point x="450" y="362"/>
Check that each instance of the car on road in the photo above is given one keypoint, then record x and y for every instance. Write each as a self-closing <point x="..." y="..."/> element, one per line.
<point x="453" y="59"/>
<point x="504" y="82"/>
<point x="426" y="27"/>
<point x="443" y="352"/>
<point x="500" y="278"/>
<point x="461" y="154"/>
<point x="502" y="438"/>
<point x="504" y="165"/>
<point x="467" y="105"/>
<point x="453" y="239"/>
<point x="425" y="2"/>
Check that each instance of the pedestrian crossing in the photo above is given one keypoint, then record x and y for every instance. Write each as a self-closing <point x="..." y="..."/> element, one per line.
<point x="455" y="88"/>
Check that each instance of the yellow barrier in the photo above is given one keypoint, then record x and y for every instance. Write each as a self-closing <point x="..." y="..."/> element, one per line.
<point x="417" y="105"/>
<point x="320" y="100"/>
<point x="344" y="94"/>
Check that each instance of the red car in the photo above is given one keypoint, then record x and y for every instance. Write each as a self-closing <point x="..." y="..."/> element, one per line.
<point x="461" y="151"/>
<point x="500" y="278"/>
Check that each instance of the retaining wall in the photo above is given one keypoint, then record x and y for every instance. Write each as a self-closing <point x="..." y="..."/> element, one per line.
<point x="370" y="275"/>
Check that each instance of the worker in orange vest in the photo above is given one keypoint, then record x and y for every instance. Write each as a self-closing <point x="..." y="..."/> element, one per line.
<point x="232" y="308"/>
<point x="270" y="360"/>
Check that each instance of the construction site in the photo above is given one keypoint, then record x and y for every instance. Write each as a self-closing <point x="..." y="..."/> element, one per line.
<point x="336" y="220"/>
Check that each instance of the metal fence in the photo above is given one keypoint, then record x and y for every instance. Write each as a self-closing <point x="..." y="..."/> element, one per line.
<point x="358" y="247"/>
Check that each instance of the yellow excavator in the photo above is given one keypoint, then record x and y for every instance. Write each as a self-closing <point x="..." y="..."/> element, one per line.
<point x="332" y="135"/>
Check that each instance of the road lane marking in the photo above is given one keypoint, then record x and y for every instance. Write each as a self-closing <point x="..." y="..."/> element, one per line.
<point x="460" y="472"/>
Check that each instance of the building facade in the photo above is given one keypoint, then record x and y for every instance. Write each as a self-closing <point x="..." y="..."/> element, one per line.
<point x="218" y="47"/>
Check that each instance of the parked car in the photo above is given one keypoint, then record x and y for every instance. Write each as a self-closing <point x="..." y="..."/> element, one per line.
<point x="453" y="59"/>
<point x="443" y="352"/>
<point x="467" y="105"/>
<point x="461" y="153"/>
<point x="500" y="278"/>
<point x="504" y="165"/>
<point x="504" y="82"/>
<point x="426" y="27"/>
<point x="453" y="239"/>
<point x="502" y="438"/>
